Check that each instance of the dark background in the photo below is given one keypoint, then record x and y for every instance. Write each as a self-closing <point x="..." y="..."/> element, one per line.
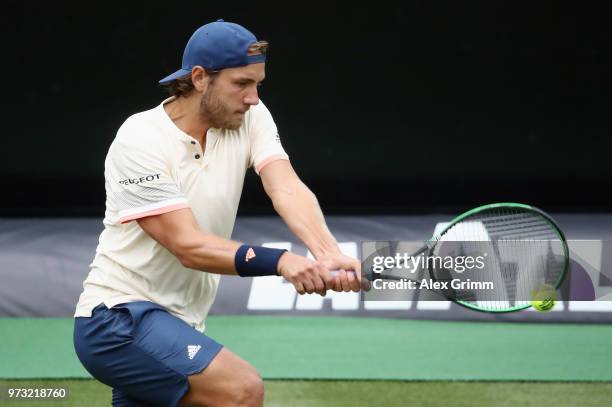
<point x="420" y="107"/>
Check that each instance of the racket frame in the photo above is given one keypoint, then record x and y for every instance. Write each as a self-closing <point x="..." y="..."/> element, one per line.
<point x="430" y="244"/>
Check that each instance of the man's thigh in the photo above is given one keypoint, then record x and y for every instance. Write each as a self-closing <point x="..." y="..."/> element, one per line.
<point x="142" y="351"/>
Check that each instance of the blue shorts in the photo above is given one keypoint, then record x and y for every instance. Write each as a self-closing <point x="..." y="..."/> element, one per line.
<point x="142" y="351"/>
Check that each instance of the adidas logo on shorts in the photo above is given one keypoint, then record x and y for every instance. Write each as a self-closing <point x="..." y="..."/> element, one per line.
<point x="192" y="350"/>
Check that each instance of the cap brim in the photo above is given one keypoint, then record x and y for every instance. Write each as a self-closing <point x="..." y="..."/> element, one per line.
<point x="176" y="75"/>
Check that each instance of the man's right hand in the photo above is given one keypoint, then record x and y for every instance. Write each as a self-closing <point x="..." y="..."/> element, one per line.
<point x="307" y="276"/>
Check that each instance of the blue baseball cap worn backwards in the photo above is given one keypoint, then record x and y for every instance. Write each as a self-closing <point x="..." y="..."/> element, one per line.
<point x="215" y="46"/>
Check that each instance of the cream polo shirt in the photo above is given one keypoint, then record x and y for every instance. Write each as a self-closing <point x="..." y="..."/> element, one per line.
<point x="153" y="167"/>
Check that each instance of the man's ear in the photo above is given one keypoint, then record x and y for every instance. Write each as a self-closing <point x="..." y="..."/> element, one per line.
<point x="199" y="78"/>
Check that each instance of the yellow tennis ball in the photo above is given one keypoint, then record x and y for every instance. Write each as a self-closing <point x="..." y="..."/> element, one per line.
<point x="543" y="298"/>
<point x="543" y="306"/>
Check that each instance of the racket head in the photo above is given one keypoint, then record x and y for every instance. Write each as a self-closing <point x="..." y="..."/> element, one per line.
<point x="526" y="233"/>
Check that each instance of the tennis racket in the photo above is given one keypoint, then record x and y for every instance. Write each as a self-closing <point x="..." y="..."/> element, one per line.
<point x="525" y="250"/>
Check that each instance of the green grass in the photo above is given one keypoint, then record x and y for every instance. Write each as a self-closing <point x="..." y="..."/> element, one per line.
<point x="367" y="349"/>
<point x="314" y="393"/>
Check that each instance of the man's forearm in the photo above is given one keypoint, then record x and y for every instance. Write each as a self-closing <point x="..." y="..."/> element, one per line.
<point x="178" y="232"/>
<point x="300" y="210"/>
<point x="208" y="253"/>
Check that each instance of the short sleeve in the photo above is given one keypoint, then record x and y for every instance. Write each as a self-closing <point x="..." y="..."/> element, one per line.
<point x="266" y="145"/>
<point x="138" y="177"/>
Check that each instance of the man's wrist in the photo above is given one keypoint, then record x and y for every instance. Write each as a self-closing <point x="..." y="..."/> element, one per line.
<point x="280" y="263"/>
<point x="255" y="261"/>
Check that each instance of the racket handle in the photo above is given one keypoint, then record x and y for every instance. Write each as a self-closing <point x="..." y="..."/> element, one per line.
<point x="335" y="273"/>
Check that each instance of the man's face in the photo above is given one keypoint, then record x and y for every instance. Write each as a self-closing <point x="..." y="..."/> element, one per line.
<point x="230" y="94"/>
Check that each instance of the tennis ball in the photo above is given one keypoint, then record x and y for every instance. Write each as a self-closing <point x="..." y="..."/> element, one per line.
<point x="543" y="298"/>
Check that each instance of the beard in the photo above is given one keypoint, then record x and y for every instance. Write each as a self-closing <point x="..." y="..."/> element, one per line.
<point x="218" y="114"/>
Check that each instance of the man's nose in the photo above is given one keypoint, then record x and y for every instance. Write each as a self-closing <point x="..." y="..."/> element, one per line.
<point x="252" y="97"/>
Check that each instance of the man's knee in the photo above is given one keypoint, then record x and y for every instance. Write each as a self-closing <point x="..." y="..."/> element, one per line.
<point x="251" y="390"/>
<point x="244" y="390"/>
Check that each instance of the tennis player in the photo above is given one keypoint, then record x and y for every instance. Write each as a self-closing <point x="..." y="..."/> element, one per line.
<point x="174" y="177"/>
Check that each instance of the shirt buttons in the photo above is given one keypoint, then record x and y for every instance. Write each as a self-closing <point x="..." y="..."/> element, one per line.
<point x="197" y="156"/>
<point x="192" y="141"/>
